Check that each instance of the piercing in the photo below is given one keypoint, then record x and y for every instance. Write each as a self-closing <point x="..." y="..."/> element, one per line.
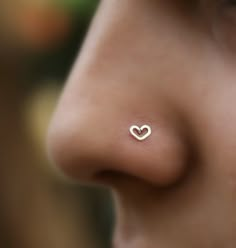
<point x="139" y="132"/>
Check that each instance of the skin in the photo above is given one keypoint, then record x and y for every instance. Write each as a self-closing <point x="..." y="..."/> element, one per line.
<point x="171" y="65"/>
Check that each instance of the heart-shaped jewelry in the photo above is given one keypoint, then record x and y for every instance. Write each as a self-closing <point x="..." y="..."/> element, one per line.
<point x="138" y="132"/>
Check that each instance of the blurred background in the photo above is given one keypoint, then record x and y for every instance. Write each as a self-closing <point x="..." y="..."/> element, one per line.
<point x="39" y="42"/>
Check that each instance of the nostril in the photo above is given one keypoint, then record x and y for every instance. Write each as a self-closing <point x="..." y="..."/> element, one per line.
<point x="117" y="179"/>
<point x="109" y="176"/>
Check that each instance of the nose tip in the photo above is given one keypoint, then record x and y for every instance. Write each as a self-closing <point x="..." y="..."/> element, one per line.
<point x="82" y="144"/>
<point x="86" y="146"/>
<point x="76" y="149"/>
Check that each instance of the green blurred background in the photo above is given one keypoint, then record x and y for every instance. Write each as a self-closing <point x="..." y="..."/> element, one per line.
<point x="39" y="42"/>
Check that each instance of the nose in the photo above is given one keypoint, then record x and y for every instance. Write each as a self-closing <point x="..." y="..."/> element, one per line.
<point x="108" y="91"/>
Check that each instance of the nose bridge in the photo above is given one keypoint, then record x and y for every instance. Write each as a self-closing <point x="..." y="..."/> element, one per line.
<point x="105" y="95"/>
<point x="120" y="39"/>
<point x="110" y="67"/>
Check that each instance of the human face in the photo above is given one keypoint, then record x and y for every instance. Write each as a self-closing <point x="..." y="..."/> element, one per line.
<point x="169" y="64"/>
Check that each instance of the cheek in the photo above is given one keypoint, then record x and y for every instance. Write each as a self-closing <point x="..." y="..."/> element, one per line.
<point x="213" y="120"/>
<point x="222" y="27"/>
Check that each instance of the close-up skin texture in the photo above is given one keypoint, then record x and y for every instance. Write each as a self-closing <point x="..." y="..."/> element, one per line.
<point x="170" y="64"/>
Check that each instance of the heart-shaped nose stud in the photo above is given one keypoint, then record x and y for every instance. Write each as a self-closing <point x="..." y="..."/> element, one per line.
<point x="139" y="132"/>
